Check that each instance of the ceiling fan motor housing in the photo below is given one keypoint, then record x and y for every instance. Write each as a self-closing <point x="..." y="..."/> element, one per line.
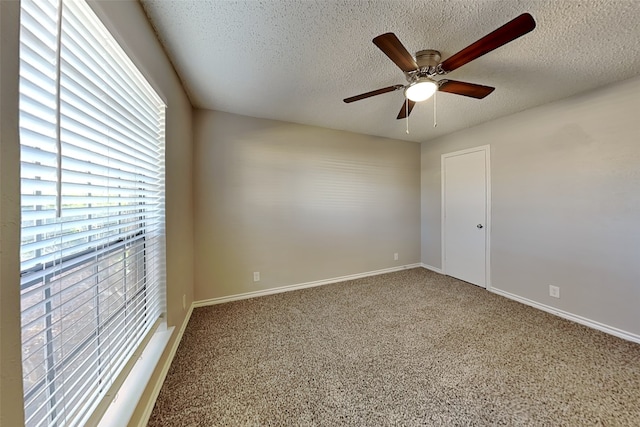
<point x="427" y="58"/>
<point x="428" y="62"/>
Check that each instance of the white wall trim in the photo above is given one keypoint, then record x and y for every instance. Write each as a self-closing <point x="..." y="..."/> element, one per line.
<point x="570" y="316"/>
<point x="432" y="268"/>
<point x="280" y="289"/>
<point x="144" y="419"/>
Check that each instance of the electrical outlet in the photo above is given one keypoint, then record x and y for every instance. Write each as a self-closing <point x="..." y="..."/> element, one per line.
<point x="395" y="256"/>
<point x="256" y="276"/>
<point x="184" y="301"/>
<point x="554" y="291"/>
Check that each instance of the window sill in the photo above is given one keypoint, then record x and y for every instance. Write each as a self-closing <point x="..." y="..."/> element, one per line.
<point x="126" y="400"/>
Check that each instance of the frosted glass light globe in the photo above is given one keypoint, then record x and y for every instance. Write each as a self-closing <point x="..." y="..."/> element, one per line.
<point x="421" y="90"/>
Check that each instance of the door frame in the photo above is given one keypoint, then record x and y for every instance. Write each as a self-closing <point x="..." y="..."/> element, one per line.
<point x="487" y="242"/>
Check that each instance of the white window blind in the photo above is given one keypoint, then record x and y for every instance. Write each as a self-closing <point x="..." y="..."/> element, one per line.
<point x="92" y="184"/>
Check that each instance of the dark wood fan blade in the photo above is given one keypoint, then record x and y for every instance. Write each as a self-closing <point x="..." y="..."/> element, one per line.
<point x="391" y="46"/>
<point x="373" y="93"/>
<point x="466" y="89"/>
<point x="503" y="35"/>
<point x="406" y="109"/>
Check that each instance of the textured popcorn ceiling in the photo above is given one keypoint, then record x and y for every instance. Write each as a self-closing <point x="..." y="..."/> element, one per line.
<point x="296" y="60"/>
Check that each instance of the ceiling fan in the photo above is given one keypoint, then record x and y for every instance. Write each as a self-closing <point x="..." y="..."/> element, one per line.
<point x="421" y="71"/>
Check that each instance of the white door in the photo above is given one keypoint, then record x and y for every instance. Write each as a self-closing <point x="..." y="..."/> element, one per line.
<point x="465" y="196"/>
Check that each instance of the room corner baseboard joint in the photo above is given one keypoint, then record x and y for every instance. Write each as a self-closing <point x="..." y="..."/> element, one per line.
<point x="432" y="268"/>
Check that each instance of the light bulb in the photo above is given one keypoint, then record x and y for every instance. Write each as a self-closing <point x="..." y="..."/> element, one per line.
<point x="421" y="90"/>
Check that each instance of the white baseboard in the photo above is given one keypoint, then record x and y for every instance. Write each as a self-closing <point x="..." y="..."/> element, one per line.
<point x="570" y="316"/>
<point x="280" y="289"/>
<point x="165" y="369"/>
<point x="432" y="268"/>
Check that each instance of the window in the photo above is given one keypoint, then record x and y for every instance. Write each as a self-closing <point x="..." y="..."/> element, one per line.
<point x="92" y="196"/>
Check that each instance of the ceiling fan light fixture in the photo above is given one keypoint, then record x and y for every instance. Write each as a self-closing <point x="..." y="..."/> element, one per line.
<point x="421" y="90"/>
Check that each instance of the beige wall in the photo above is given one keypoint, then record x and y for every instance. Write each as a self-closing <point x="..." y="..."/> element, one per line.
<point x="128" y="23"/>
<point x="10" y="346"/>
<point x="565" y="203"/>
<point x="298" y="203"/>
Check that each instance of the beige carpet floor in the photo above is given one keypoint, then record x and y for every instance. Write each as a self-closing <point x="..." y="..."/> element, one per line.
<point x="410" y="348"/>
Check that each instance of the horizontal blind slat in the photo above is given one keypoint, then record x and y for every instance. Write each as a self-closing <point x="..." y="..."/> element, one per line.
<point x="78" y="94"/>
<point x="98" y="238"/>
<point x="34" y="278"/>
<point x="31" y="186"/>
<point x="111" y="88"/>
<point x="86" y="295"/>
<point x="86" y="137"/>
<point x="95" y="210"/>
<point x="100" y="118"/>
<point x="82" y="240"/>
<point x="120" y="220"/>
<point x="71" y="201"/>
<point x="86" y="150"/>
<point x="146" y="176"/>
<point x="119" y="83"/>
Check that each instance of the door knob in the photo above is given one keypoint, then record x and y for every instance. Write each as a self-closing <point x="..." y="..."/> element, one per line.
<point x="479" y="225"/>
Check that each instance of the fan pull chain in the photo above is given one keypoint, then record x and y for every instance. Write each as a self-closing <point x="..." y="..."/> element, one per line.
<point x="406" y="110"/>
<point x="435" y="116"/>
